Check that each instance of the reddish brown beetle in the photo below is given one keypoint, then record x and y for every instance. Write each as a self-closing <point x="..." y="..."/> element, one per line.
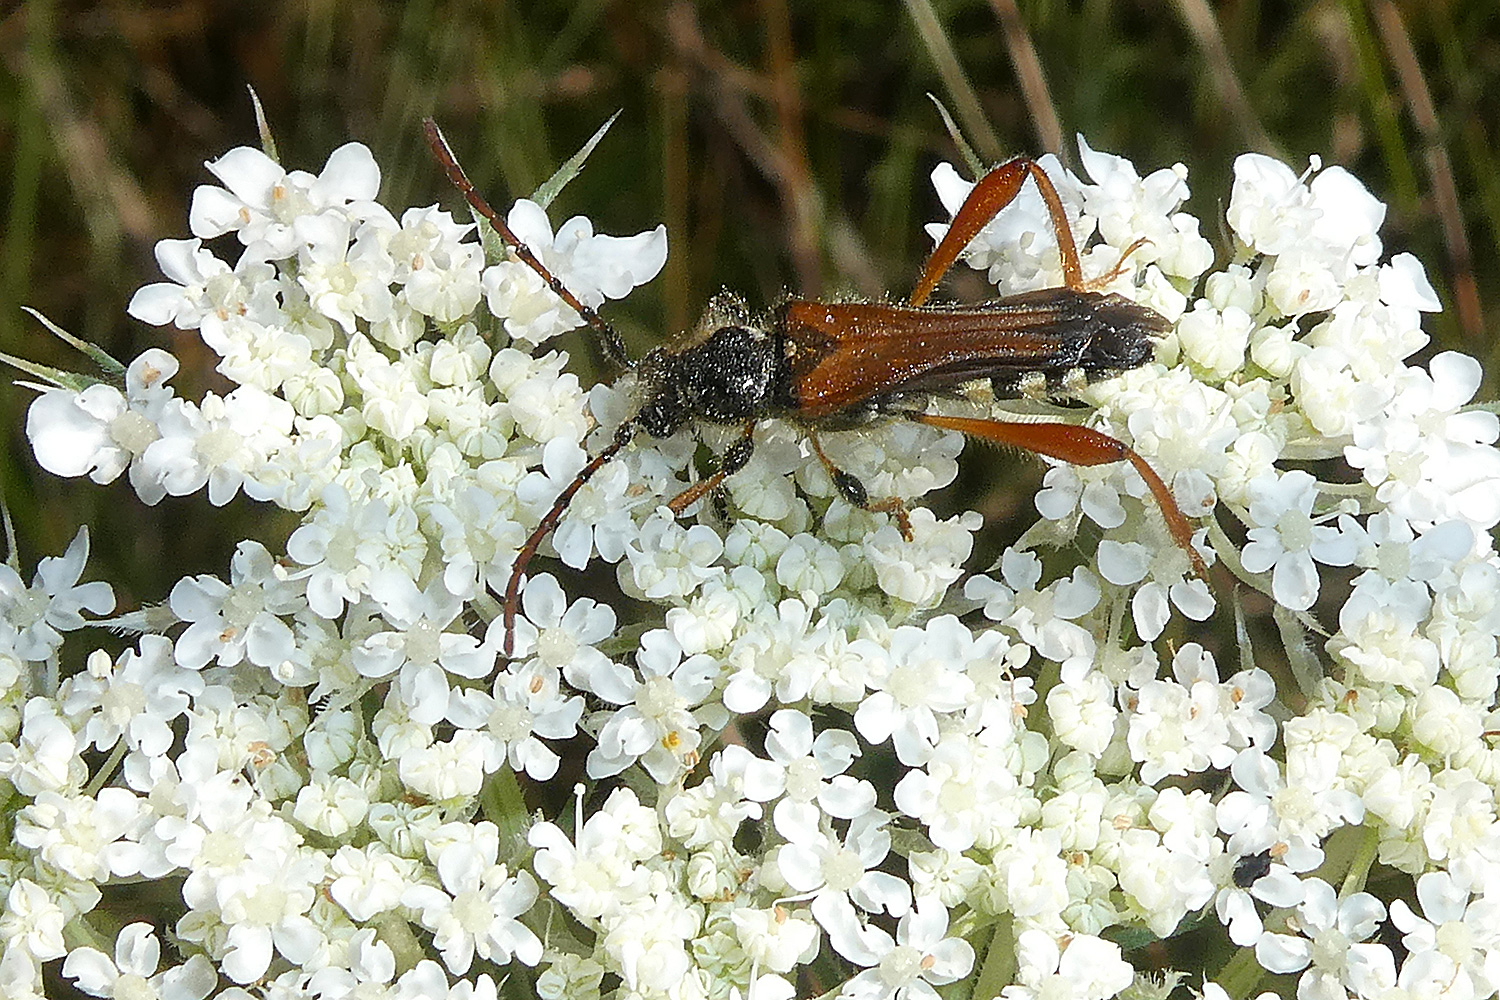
<point x="833" y="366"/>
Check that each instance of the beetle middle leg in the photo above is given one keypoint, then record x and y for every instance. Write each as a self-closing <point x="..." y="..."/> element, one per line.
<point x="852" y="490"/>
<point x="736" y="457"/>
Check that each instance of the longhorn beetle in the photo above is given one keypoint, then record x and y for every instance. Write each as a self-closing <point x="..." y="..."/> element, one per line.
<point x="836" y="365"/>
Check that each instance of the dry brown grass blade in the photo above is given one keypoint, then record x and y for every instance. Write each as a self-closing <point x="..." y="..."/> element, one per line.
<point x="783" y="159"/>
<point x="797" y="187"/>
<point x="671" y="89"/>
<point x="1029" y="75"/>
<point x="1203" y="25"/>
<point x="965" y="101"/>
<point x="111" y="196"/>
<point x="1397" y="42"/>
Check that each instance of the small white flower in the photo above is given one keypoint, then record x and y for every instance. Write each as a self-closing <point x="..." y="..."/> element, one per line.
<point x="1285" y="539"/>
<point x="656" y="723"/>
<point x="1182" y="726"/>
<point x="36" y="616"/>
<point x="477" y="909"/>
<point x="1277" y="887"/>
<point x="1335" y="934"/>
<point x="528" y="702"/>
<point x="921" y="956"/>
<point x="1429" y="461"/>
<point x="599" y="518"/>
<point x="88" y="838"/>
<point x="1130" y="208"/>
<point x="394" y="394"/>
<point x="238" y="620"/>
<point x="777" y="656"/>
<point x="1215" y="340"/>
<point x="440" y="274"/>
<point x="599" y="874"/>
<point x="369" y="881"/>
<point x="446" y="771"/>
<point x="920" y="572"/>
<point x="420" y="648"/>
<point x="711" y="811"/>
<point x="1453" y="948"/>
<point x="592" y="267"/>
<point x="1268" y="810"/>
<point x="31" y="923"/>
<point x="666" y="560"/>
<point x="809" y="565"/>
<point x="840" y="873"/>
<point x="1083" y="713"/>
<point x="1083" y="968"/>
<point x="71" y="433"/>
<point x="100" y="431"/>
<point x="776" y="938"/>
<point x="263" y="899"/>
<point x="45" y="755"/>
<point x="222" y="443"/>
<point x="134" y="968"/>
<point x="923" y="678"/>
<point x="560" y="635"/>
<point x="814" y="770"/>
<point x="263" y="201"/>
<point x="1270" y="209"/>
<point x="965" y="793"/>
<point x="345" y="543"/>
<point x="203" y="289"/>
<point x="331" y="805"/>
<point x="134" y="699"/>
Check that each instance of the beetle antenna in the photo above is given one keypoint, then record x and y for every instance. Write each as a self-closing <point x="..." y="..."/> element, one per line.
<point x="614" y="347"/>
<point x="623" y="436"/>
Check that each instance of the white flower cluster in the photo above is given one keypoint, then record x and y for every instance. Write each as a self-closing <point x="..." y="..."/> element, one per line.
<point x="821" y="762"/>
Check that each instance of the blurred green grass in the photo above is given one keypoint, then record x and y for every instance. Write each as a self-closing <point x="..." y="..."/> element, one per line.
<point x="786" y="145"/>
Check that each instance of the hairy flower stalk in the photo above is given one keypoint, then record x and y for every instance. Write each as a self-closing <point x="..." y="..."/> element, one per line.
<point x="933" y="778"/>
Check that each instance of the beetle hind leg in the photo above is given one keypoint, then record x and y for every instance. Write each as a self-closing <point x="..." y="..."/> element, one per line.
<point x="1078" y="446"/>
<point x="1100" y="283"/>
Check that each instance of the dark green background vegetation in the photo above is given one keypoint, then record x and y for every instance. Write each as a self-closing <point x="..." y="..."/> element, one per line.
<point x="786" y="144"/>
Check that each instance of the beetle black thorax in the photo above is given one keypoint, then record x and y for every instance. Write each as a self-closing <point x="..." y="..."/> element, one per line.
<point x="731" y="376"/>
